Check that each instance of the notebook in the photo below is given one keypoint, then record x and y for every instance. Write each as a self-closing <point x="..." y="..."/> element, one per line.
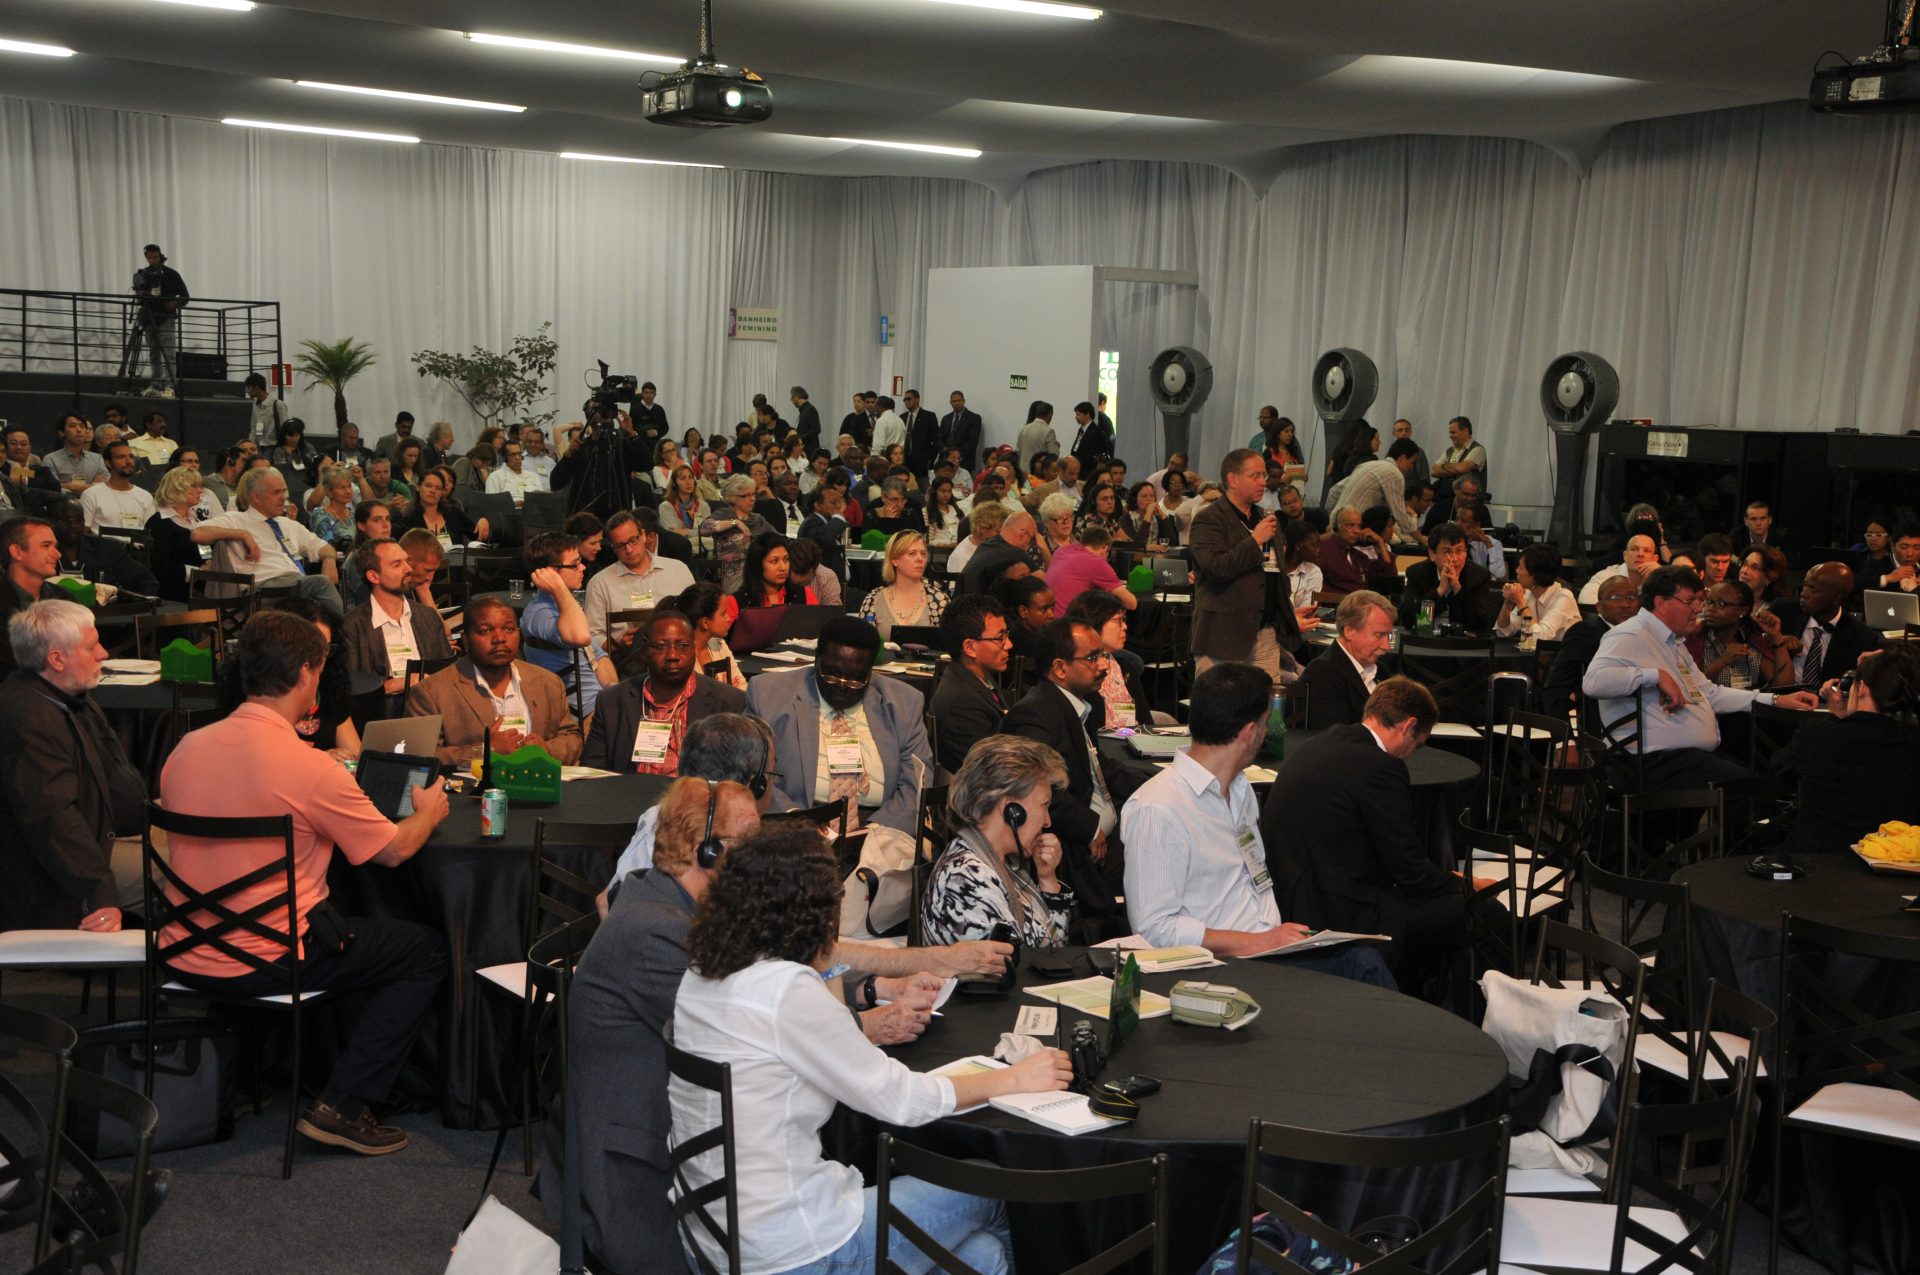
<point x="1156" y="747"/>
<point x="1066" y="1113"/>
<point x="973" y="1066"/>
<point x="1324" y="938"/>
<point x="1892" y="609"/>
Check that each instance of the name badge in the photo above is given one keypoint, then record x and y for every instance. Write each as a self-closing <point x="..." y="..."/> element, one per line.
<point x="397" y="656"/>
<point x="1255" y="859"/>
<point x="650" y="743"/>
<point x="514" y="722"/>
<point x="445" y="538"/>
<point x="130" y="520"/>
<point x="1688" y="685"/>
<point x="843" y="757"/>
<point x="1123" y="715"/>
<point x="639" y="601"/>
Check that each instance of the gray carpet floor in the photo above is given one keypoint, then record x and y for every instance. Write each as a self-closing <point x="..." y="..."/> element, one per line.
<point x="230" y="1214"/>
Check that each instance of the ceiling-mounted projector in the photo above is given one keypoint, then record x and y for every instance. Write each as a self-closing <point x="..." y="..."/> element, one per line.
<point x="704" y="94"/>
<point x="1887" y="79"/>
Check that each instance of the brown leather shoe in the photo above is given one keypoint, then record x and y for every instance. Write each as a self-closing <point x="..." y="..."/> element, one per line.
<point x="362" y="1134"/>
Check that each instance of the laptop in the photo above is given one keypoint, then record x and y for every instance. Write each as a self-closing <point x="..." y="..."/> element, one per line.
<point x="918" y="636"/>
<point x="1889" y="609"/>
<point x="414" y="736"/>
<point x="1170" y="575"/>
<point x="805" y="622"/>
<point x="389" y="779"/>
<point x="755" y="629"/>
<point x="1156" y="747"/>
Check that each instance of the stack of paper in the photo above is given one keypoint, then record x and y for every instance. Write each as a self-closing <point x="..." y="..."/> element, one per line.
<point x="1095" y="995"/>
<point x="1161" y="960"/>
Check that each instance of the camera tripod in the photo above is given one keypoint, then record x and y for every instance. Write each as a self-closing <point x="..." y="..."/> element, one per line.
<point x="155" y="335"/>
<point x="602" y="485"/>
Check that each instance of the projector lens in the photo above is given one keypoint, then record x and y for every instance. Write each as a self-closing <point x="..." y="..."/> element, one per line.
<point x="732" y="98"/>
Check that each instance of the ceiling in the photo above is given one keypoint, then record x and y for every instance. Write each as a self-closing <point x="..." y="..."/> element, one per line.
<point x="1232" y="83"/>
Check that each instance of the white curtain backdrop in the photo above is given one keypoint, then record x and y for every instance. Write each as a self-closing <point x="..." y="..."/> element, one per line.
<point x="1754" y="268"/>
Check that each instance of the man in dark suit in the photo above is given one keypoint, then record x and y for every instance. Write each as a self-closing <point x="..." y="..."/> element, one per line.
<point x="960" y="431"/>
<point x="1064" y="710"/>
<point x="858" y="424"/>
<point x="1340" y="817"/>
<point x="1339" y="680"/>
<point x="968" y="705"/>
<point x="1241" y="611"/>
<point x="639" y="725"/>
<point x="1466" y="488"/>
<point x="649" y="418"/>
<point x="1757" y="527"/>
<point x="1560" y="692"/>
<point x="783" y="510"/>
<point x="1825" y="641"/>
<point x="806" y="418"/>
<point x="884" y="763"/>
<point x="923" y="436"/>
<point x="622" y="1006"/>
<point x="1092" y="441"/>
<point x="1462" y="593"/>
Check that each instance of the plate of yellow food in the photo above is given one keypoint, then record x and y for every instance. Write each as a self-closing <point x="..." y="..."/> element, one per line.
<point x="1894" y="848"/>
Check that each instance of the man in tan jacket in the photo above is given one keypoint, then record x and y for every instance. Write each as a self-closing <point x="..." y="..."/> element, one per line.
<point x="492" y="691"/>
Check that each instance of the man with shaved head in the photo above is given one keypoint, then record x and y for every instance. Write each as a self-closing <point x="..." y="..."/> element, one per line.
<point x="1823" y="639"/>
<point x="1013" y="545"/>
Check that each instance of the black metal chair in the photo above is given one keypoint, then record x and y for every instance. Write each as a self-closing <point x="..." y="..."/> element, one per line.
<point x="1470" y="1233"/>
<point x="109" y="1228"/>
<point x="202" y="628"/>
<point x="1027" y="1186"/>
<point x="1626" y="763"/>
<point x="1687" y="825"/>
<point x="1456" y="670"/>
<point x="930" y="835"/>
<point x="1841" y="1068"/>
<point x="557" y="897"/>
<point x="214" y="919"/>
<point x="1521" y="746"/>
<point x="1656" y="923"/>
<point x="28" y="1138"/>
<point x="693" y="1205"/>
<point x="1530" y="887"/>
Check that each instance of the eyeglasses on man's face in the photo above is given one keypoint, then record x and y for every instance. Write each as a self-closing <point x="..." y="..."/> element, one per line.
<point x="844" y="683"/>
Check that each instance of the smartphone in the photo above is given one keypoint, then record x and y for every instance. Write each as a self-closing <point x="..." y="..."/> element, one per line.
<point x="1134" y="1086"/>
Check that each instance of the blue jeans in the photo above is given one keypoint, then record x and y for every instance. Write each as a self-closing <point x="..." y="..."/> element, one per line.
<point x="975" y="1230"/>
<point x="1360" y="962"/>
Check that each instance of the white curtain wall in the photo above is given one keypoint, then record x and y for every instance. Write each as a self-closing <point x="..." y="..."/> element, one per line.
<point x="1754" y="268"/>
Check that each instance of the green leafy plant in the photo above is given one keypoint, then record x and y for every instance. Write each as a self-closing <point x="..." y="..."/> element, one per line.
<point x="333" y="365"/>
<point x="498" y="386"/>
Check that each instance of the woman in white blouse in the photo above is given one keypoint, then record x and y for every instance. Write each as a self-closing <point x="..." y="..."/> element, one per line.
<point x="1535" y="602"/>
<point x="755" y="997"/>
<point x="1304" y="579"/>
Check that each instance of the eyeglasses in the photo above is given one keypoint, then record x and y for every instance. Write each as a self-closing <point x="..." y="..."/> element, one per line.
<point x="1723" y="602"/>
<point x="1091" y="657"/>
<point x="662" y="647"/>
<point x="998" y="638"/>
<point x="844" y="683"/>
<point x="1691" y="601"/>
<point x="575" y="565"/>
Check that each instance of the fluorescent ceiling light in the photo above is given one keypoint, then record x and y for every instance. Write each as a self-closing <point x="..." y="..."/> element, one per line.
<point x="965" y="152"/>
<point x="1389" y="70"/>
<point x="1032" y="8"/>
<point x="634" y="159"/>
<point x="578" y="50"/>
<point x="434" y="98"/>
<point x="28" y="46"/>
<point x="325" y="132"/>
<point x="238" y="6"/>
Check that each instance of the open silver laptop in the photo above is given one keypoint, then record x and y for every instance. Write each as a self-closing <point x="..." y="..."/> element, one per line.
<point x="1892" y="609"/>
<point x="414" y="736"/>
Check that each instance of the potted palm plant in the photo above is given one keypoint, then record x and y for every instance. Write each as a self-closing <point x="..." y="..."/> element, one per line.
<point x="333" y="364"/>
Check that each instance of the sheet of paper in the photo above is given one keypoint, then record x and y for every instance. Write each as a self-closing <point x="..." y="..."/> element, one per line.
<point x="1040" y="1021"/>
<point x="1093" y="996"/>
<point x="787" y="657"/>
<point x="978" y="1064"/>
<point x="1321" y="939"/>
<point x="568" y="773"/>
<point x="1159" y="960"/>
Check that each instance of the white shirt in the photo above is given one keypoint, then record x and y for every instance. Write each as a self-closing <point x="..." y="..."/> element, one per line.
<point x="1367" y="672"/>
<point x="542" y="465"/>
<point x="1590" y="591"/>
<point x="1202" y="846"/>
<point x="1806" y="637"/>
<point x="961" y="554"/>
<point x="301" y="546"/>
<point x="1306" y="580"/>
<point x="639" y="851"/>
<point x="1100" y="799"/>
<point x="875" y="793"/>
<point x="620" y="588"/>
<point x="396" y="634"/>
<point x="105" y="507"/>
<point x="155" y="451"/>
<point x="1548" y="616"/>
<point x="887" y="431"/>
<point x="795" y="1052"/>
<point x="510" y="708"/>
<point x="1631" y="657"/>
<point x="503" y="479"/>
<point x="1379" y="482"/>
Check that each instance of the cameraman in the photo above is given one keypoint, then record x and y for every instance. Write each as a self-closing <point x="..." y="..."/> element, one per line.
<point x="162" y="293"/>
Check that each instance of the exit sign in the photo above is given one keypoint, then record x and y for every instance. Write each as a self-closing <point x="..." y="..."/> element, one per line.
<point x="1016" y="382"/>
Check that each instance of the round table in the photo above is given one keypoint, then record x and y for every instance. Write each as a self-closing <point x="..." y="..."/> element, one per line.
<point x="474" y="892"/>
<point x="1428" y="767"/>
<point x="1844" y="1200"/>
<point x="1325" y="1053"/>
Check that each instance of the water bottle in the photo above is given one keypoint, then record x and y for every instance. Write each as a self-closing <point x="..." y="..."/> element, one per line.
<point x="1276" y="746"/>
<point x="1424" y="624"/>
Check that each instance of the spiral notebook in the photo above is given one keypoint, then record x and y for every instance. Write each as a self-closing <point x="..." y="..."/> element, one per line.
<point x="1066" y="1113"/>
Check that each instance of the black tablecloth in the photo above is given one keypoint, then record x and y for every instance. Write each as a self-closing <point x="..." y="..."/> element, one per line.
<point x="475" y="893"/>
<point x="1428" y="767"/>
<point x="1326" y="1053"/>
<point x="1848" y="1202"/>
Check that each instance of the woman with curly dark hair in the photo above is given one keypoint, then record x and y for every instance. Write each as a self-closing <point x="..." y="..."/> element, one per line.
<point x="754" y="997"/>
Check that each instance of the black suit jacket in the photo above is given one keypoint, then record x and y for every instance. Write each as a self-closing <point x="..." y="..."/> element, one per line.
<point x="1474" y="606"/>
<point x="1091" y="443"/>
<point x="923" y="441"/>
<point x="1851" y="781"/>
<point x="618" y="712"/>
<point x="860" y="426"/>
<point x="775" y="512"/>
<point x="1340" y="834"/>
<point x="1561" y="690"/>
<point x="961" y="430"/>
<point x="1044" y="714"/>
<point x="621" y="1009"/>
<point x="1849" y="640"/>
<point x="1335" y="694"/>
<point x="807" y="421"/>
<point x="650" y="423"/>
<point x="966" y="711"/>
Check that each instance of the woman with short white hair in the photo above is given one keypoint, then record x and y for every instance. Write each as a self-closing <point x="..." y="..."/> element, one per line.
<point x="998" y="804"/>
<point x="732" y="527"/>
<point x="170" y="544"/>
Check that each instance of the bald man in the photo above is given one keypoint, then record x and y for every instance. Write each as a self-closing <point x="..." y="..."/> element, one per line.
<point x="1014" y="545"/>
<point x="1823" y="639"/>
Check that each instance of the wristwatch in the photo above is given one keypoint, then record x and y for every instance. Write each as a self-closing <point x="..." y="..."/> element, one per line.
<point x="867" y="991"/>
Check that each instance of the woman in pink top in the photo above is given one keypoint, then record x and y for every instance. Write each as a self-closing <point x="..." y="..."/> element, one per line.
<point x="1081" y="564"/>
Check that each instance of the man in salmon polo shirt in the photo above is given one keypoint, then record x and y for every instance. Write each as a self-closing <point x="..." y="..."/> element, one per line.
<point x="398" y="964"/>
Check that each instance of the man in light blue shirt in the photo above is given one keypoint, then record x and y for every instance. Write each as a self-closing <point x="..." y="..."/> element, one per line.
<point x="1645" y="660"/>
<point x="1481" y="547"/>
<point x="556" y="624"/>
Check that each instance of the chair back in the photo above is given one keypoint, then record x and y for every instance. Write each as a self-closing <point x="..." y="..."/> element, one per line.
<point x="930" y="835"/>
<point x="1104" y="1182"/>
<point x="153" y="631"/>
<point x="1705" y="1200"/>
<point x="28" y="1139"/>
<point x="137" y="543"/>
<point x="418" y="668"/>
<point x="1613" y="968"/>
<point x="1622" y="737"/>
<point x="1470" y="1232"/>
<point x="213" y="919"/>
<point x="483" y="569"/>
<point x="1828" y="1036"/>
<point x="1456" y="670"/>
<point x="1530" y="887"/>
<point x="1705" y="841"/>
<point x="110" y="1228"/>
<point x="692" y="1206"/>
<point x="557" y="896"/>
<point x="1521" y="747"/>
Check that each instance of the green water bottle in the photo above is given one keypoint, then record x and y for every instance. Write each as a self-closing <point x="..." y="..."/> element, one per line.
<point x="1276" y="746"/>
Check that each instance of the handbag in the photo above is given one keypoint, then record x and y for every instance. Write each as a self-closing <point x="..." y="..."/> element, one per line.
<point x="500" y="1242"/>
<point x="194" y="1083"/>
<point x="1566" y="1052"/>
<point x="878" y="897"/>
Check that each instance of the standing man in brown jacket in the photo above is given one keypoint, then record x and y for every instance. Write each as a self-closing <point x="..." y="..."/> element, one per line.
<point x="1242" y="611"/>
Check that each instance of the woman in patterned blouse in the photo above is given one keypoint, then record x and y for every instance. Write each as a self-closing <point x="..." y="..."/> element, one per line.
<point x="998" y="804"/>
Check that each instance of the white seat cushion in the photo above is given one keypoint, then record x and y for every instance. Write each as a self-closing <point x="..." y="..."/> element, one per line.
<point x="1574" y="1234"/>
<point x="1870" y="1109"/>
<point x="1549" y="1182"/>
<point x="65" y="948"/>
<point x="510" y="978"/>
<point x="1661" y="1055"/>
<point x="1517" y="732"/>
<point x="1455" y="730"/>
<point x="284" y="998"/>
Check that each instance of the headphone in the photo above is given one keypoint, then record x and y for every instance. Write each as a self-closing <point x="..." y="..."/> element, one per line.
<point x="707" y="853"/>
<point x="758" y="784"/>
<point x="1016" y="816"/>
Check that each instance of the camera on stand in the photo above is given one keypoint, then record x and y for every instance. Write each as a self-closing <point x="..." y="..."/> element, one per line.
<point x="602" y="484"/>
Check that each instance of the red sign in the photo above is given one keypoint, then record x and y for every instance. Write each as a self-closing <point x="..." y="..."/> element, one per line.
<point x="282" y="375"/>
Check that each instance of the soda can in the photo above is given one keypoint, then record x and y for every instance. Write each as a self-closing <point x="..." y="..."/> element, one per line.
<point x="493" y="813"/>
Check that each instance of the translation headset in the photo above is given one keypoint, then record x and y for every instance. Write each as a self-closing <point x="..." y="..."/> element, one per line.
<point x="707" y="853"/>
<point x="1016" y="816"/>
